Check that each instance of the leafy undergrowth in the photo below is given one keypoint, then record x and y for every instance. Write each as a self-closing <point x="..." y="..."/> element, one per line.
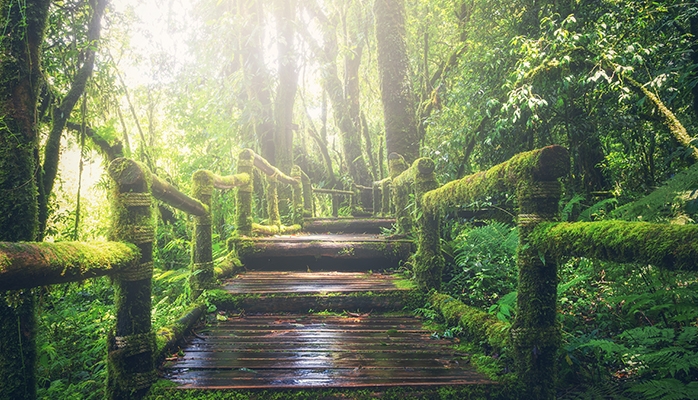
<point x="629" y="331"/>
<point x="73" y="322"/>
<point x="72" y="326"/>
<point x="165" y="390"/>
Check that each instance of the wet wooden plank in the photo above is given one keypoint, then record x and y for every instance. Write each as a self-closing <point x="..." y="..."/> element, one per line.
<point x="347" y="225"/>
<point x="328" y="252"/>
<point x="266" y="282"/>
<point x="282" y="351"/>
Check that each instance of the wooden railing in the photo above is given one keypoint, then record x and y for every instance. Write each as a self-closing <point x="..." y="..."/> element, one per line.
<point x="128" y="259"/>
<point x="531" y="179"/>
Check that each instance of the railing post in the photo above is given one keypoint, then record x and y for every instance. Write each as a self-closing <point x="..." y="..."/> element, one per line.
<point x="243" y="208"/>
<point x="400" y="192"/>
<point x="429" y="262"/>
<point x="386" y="187"/>
<point x="130" y="364"/>
<point x="308" y="204"/>
<point x="273" y="201"/>
<point x="202" y="276"/>
<point x="535" y="336"/>
<point x="377" y="199"/>
<point x="297" y="200"/>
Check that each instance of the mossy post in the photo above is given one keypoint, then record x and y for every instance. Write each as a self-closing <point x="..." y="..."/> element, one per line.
<point x="535" y="335"/>
<point x="131" y="369"/>
<point x="243" y="209"/>
<point x="377" y="199"/>
<point x="273" y="201"/>
<point x="202" y="276"/>
<point x="385" y="195"/>
<point x="401" y="188"/>
<point x="307" y="195"/>
<point x="428" y="261"/>
<point x="297" y="199"/>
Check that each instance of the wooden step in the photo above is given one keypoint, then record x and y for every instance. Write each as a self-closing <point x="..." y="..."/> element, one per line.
<point x="313" y="351"/>
<point x="347" y="225"/>
<point x="284" y="291"/>
<point x="321" y="252"/>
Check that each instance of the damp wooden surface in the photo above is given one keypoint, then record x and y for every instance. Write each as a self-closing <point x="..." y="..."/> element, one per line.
<point x="311" y="351"/>
<point x="266" y="282"/>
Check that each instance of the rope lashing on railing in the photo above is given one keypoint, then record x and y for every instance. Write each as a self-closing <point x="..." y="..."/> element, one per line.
<point x="137" y="273"/>
<point x="130" y="358"/>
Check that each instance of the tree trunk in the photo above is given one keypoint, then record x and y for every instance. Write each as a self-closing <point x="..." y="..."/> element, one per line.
<point x="288" y="83"/>
<point x="260" y="105"/>
<point x="20" y="79"/>
<point x="694" y="58"/>
<point x="344" y="96"/>
<point x="401" y="134"/>
<point x="62" y="113"/>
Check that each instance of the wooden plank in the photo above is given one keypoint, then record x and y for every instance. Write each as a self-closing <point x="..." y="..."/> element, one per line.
<point x="347" y="225"/>
<point x="259" y="282"/>
<point x="295" y="351"/>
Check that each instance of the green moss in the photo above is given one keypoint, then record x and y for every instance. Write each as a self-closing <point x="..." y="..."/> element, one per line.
<point x="25" y="265"/>
<point x="275" y="229"/>
<point x="544" y="164"/>
<point x="478" y="326"/>
<point x="663" y="245"/>
<point x="243" y="198"/>
<point x="273" y="201"/>
<point x="298" y="204"/>
<point x="131" y="372"/>
<point x="202" y="274"/>
<point x="165" y="390"/>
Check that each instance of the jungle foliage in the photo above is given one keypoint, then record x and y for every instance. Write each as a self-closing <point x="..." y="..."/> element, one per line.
<point x="614" y="81"/>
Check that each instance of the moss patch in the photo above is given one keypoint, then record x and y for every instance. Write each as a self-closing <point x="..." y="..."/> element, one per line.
<point x="663" y="245"/>
<point x="544" y="164"/>
<point x="478" y="326"/>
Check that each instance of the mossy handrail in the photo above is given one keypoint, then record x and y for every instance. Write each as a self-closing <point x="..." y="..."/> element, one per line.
<point x="382" y="189"/>
<point x="27" y="265"/>
<point x="532" y="177"/>
<point x="336" y="194"/>
<point x="665" y="246"/>
<point x="298" y="181"/>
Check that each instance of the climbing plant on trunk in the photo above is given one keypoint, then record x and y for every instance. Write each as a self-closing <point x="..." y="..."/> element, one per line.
<point x="23" y="25"/>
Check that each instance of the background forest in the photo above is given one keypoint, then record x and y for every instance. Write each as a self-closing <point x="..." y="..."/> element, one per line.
<point x="185" y="85"/>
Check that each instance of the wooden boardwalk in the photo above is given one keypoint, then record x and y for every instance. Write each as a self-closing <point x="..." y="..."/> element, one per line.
<point x="278" y="343"/>
<point x="311" y="351"/>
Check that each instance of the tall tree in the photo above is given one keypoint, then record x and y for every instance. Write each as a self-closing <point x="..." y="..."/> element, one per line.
<point x="260" y="107"/>
<point x="63" y="110"/>
<point x="285" y="12"/>
<point x="344" y="96"/>
<point x="401" y="133"/>
<point x="24" y="25"/>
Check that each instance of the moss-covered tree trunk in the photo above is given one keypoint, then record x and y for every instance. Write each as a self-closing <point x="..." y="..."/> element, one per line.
<point x="23" y="25"/>
<point x="401" y="134"/>
<point x="535" y="336"/>
<point x="131" y="345"/>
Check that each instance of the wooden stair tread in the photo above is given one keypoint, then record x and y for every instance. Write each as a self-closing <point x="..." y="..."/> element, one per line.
<point x="313" y="351"/>
<point x="308" y="282"/>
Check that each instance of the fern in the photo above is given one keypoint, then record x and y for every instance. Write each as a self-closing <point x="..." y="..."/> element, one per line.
<point x="598" y="210"/>
<point x="666" y="389"/>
